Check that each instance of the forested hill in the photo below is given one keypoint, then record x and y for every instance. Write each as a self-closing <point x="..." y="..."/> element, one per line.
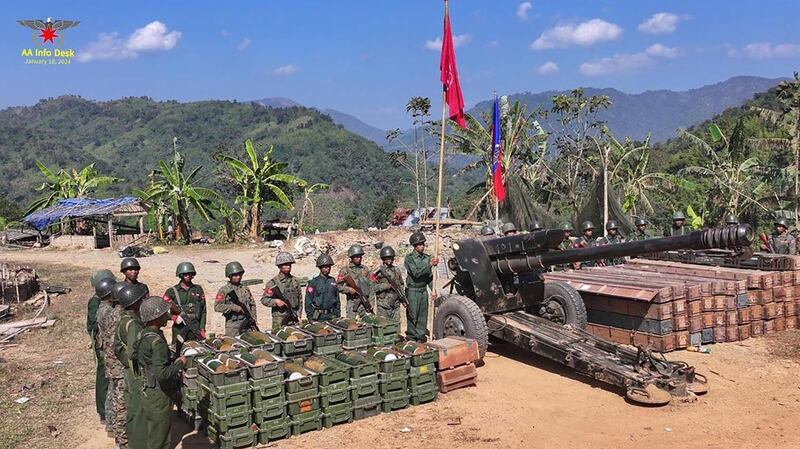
<point x="127" y="137"/>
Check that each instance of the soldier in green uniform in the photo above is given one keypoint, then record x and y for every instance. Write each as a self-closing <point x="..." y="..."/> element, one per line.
<point x="565" y="244"/>
<point x="536" y="226"/>
<point x="419" y="269"/>
<point x="100" y="382"/>
<point x="641" y="230"/>
<point x="322" y="293"/>
<point x="612" y="238"/>
<point x="587" y="240"/>
<point x="130" y="268"/>
<point x="126" y="335"/>
<point x="108" y="316"/>
<point x="237" y="320"/>
<point x="731" y="220"/>
<point x="679" y="226"/>
<point x="160" y="373"/>
<point x="360" y="275"/>
<point x="508" y="229"/>
<point x="289" y="286"/>
<point x="388" y="295"/>
<point x="188" y="305"/>
<point x="781" y="241"/>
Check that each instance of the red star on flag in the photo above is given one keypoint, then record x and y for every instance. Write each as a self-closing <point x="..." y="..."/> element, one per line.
<point x="48" y="34"/>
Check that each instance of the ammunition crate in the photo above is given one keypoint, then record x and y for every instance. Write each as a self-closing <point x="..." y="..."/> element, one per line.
<point x="428" y="357"/>
<point x="387" y="334"/>
<point x="424" y="393"/>
<point x="325" y="344"/>
<point x="310" y="382"/>
<point x="337" y="414"/>
<point x="189" y="380"/>
<point x="234" y="417"/>
<point x="268" y="369"/>
<point x="220" y="399"/>
<point x="294" y="408"/>
<point x="233" y="438"/>
<point x="269" y="409"/>
<point x="367" y="406"/>
<point x="334" y="373"/>
<point x="395" y="400"/>
<point x="392" y="382"/>
<point x="355" y="338"/>
<point x="266" y="388"/>
<point x="273" y="346"/>
<point x="236" y="345"/>
<point x="302" y="395"/>
<point x="455" y="351"/>
<point x="334" y="393"/>
<point x="400" y="364"/>
<point x="421" y="370"/>
<point x="368" y="368"/>
<point x="414" y="383"/>
<point x="236" y="376"/>
<point x="274" y="429"/>
<point x="364" y="386"/>
<point x="457" y="377"/>
<point x="306" y="422"/>
<point x="298" y="348"/>
<point x="191" y="417"/>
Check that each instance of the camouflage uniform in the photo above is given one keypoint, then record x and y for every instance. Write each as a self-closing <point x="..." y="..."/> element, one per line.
<point x="235" y="322"/>
<point x="386" y="297"/>
<point x="420" y="279"/>
<point x="100" y="382"/>
<point x="783" y="243"/>
<point x="674" y="231"/>
<point x="584" y="242"/>
<point x="192" y="304"/>
<point x="360" y="275"/>
<point x="322" y="298"/>
<point x="126" y="336"/>
<point x="116" y="412"/>
<point x="638" y="236"/>
<point x="160" y="385"/>
<point x="612" y="240"/>
<point x="290" y="287"/>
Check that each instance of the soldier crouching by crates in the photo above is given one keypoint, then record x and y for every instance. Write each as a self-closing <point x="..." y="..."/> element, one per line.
<point x="160" y="373"/>
<point x="282" y="293"/>
<point x="235" y="302"/>
<point x="388" y="285"/>
<point x="322" y="293"/>
<point x="188" y="306"/>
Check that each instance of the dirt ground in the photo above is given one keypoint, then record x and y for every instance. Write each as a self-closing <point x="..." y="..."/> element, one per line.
<point x="521" y="400"/>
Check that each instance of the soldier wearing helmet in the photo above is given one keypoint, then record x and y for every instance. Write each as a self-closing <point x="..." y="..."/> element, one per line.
<point x="641" y="230"/>
<point x="360" y="274"/>
<point x="108" y="315"/>
<point x="388" y="285"/>
<point x="731" y="220"/>
<point x="159" y="372"/>
<point x="612" y="237"/>
<point x="230" y="299"/>
<point x="536" y="226"/>
<point x="322" y="293"/>
<point x="487" y="231"/>
<point x="287" y="286"/>
<point x="508" y="229"/>
<point x="187" y="306"/>
<point x="130" y="268"/>
<point x="586" y="240"/>
<point x="419" y="271"/>
<point x="781" y="241"/>
<point x="679" y="226"/>
<point x="567" y="242"/>
<point x="126" y="337"/>
<point x="100" y="381"/>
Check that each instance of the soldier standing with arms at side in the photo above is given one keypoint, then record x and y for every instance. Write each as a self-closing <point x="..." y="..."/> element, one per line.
<point x="322" y="293"/>
<point x="781" y="241"/>
<point x="388" y="295"/>
<point x="678" y="226"/>
<point x="188" y="305"/>
<point x="130" y="268"/>
<point x="290" y="287"/>
<point x="237" y="320"/>
<point x="360" y="275"/>
<point x="586" y="240"/>
<point x="100" y="381"/>
<point x="419" y="268"/>
<point x="160" y="373"/>
<point x="125" y="339"/>
<point x="107" y="319"/>
<point x="641" y="230"/>
<point x="612" y="238"/>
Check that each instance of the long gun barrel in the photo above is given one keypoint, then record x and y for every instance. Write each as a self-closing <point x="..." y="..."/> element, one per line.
<point x="532" y="252"/>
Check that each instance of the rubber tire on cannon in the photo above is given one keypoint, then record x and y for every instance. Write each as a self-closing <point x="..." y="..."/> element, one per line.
<point x="459" y="316"/>
<point x="562" y="304"/>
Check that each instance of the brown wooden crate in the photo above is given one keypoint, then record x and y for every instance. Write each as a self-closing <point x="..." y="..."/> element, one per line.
<point x="769" y="327"/>
<point x="596" y="302"/>
<point x="797" y="277"/>
<point x="778" y="293"/>
<point x="769" y="311"/>
<point x="681" y="340"/>
<point x="719" y="303"/>
<point x="640" y="339"/>
<point x="744" y="331"/>
<point x="680" y="322"/>
<point x="455" y="351"/>
<point x="732" y="333"/>
<point x="719" y="334"/>
<point x="788" y="277"/>
<point x="792" y="322"/>
<point x="766" y="296"/>
<point x="708" y="303"/>
<point x="756" y="312"/>
<point x="780" y="324"/>
<point x="679" y="306"/>
<point x="696" y="323"/>
<point x="620" y="336"/>
<point x="730" y="302"/>
<point x="708" y="319"/>
<point x="778" y="309"/>
<point x="719" y="319"/>
<point x="790" y="308"/>
<point x="695" y="308"/>
<point x="457" y="377"/>
<point x="731" y="318"/>
<point x="753" y="297"/>
<point x="744" y="315"/>
<point x="663" y="343"/>
<point x="756" y="328"/>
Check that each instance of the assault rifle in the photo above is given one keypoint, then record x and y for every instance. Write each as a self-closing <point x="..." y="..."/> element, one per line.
<point x="350" y="282"/>
<point x="766" y="243"/>
<point x="401" y="295"/>
<point x="289" y="316"/>
<point x="246" y="310"/>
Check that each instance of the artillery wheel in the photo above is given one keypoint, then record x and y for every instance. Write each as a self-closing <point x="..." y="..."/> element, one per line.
<point x="459" y="316"/>
<point x="649" y="395"/>
<point x="562" y="304"/>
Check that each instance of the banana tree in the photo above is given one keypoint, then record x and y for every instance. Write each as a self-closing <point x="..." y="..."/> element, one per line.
<point x="308" y="204"/>
<point x="62" y="184"/>
<point x="261" y="182"/>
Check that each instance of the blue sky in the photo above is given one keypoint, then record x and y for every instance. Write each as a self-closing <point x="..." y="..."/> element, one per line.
<point x="368" y="57"/>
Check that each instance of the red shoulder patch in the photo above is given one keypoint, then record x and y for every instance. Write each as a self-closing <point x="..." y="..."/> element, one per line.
<point x="340" y="278"/>
<point x="310" y="289"/>
<point x="167" y="298"/>
<point x="373" y="277"/>
<point x="268" y="291"/>
<point x="220" y="297"/>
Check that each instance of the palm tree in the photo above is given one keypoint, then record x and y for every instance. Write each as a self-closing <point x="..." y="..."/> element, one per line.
<point x="62" y="184"/>
<point x="260" y="182"/>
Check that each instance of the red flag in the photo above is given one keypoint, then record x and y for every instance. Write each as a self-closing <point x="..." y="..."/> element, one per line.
<point x="449" y="76"/>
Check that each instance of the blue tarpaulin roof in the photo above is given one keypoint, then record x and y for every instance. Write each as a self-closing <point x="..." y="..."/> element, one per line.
<point x="81" y="207"/>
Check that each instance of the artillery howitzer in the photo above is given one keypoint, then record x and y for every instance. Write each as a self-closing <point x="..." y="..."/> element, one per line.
<point x="501" y="292"/>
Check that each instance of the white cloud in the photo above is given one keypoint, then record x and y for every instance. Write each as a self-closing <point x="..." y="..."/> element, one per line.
<point x="662" y="51"/>
<point x="548" y="68"/>
<point x="765" y="50"/>
<point x="152" y="37"/>
<point x="583" y="34"/>
<point x="458" y="40"/>
<point x="286" y="70"/>
<point x="661" y="23"/>
<point x="244" y="44"/>
<point x="523" y="9"/>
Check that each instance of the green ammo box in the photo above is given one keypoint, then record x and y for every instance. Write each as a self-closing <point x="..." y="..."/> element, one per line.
<point x="384" y="330"/>
<point x="306" y="422"/>
<point x="367" y="406"/>
<point x="334" y="393"/>
<point x="392" y="382"/>
<point x="421" y="354"/>
<point x="424" y="393"/>
<point x="399" y="361"/>
<point x="337" y="414"/>
<point x="264" y="368"/>
<point x="308" y="380"/>
<point x="232" y="439"/>
<point x="221" y="398"/>
<point x="234" y="417"/>
<point x="327" y="339"/>
<point x="294" y="408"/>
<point x="296" y="347"/>
<point x="269" y="409"/>
<point x="355" y="334"/>
<point x="266" y="389"/>
<point x="395" y="400"/>
<point x="329" y="370"/>
<point x="260" y="340"/>
<point x="415" y="382"/>
<point x="234" y="376"/>
<point x="274" y="429"/>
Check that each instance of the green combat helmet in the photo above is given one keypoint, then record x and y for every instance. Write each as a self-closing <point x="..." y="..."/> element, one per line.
<point x="508" y="227"/>
<point x="324" y="260"/>
<point x="640" y="222"/>
<point x="487" y="230"/>
<point x="387" y="251"/>
<point x="355" y="250"/>
<point x="731" y="219"/>
<point x="567" y="227"/>
<point x="116" y="289"/>
<point x="536" y="226"/>
<point x="587" y="225"/>
<point x="131" y="293"/>
<point x="416" y="238"/>
<point x="129" y="263"/>
<point x="233" y="268"/>
<point x="283" y="258"/>
<point x="612" y="224"/>
<point x="185" y="268"/>
<point x="781" y="222"/>
<point x="100" y="274"/>
<point x="152" y="308"/>
<point x="104" y="287"/>
<point x="678" y="215"/>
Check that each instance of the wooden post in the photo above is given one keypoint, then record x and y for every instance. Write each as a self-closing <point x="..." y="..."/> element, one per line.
<point x="141" y="224"/>
<point x="110" y="232"/>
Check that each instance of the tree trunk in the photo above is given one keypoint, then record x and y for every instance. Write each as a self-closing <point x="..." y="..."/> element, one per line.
<point x="416" y="166"/>
<point x="605" y="190"/>
<point x="255" y="224"/>
<point x="475" y="207"/>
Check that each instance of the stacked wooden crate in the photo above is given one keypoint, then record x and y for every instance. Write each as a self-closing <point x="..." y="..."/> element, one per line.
<point x="673" y="305"/>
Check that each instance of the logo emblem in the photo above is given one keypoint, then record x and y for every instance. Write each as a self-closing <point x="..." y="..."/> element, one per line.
<point x="47" y="29"/>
